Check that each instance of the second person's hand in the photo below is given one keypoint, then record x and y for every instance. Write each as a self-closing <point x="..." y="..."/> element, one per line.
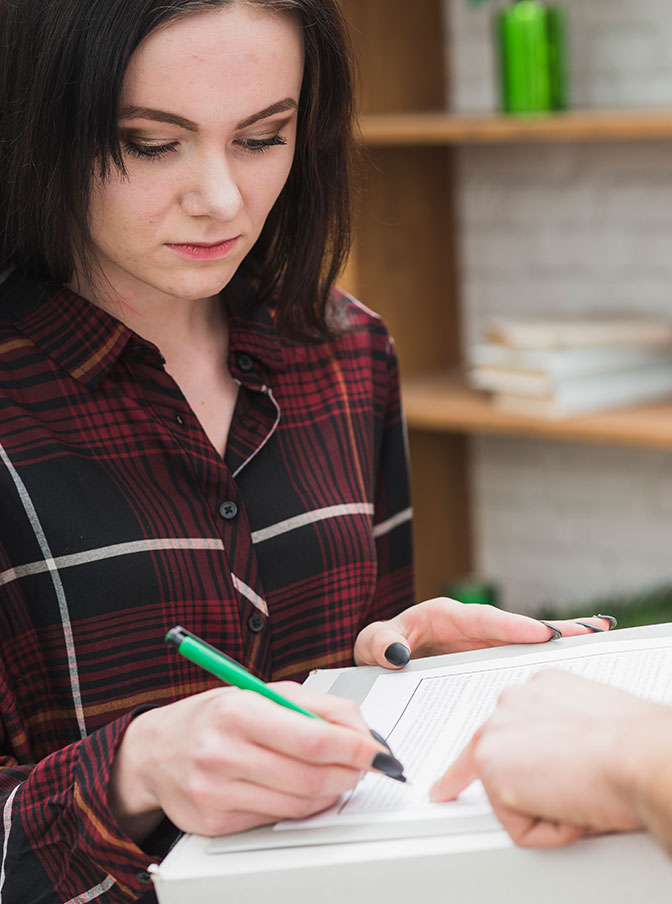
<point x="561" y="757"/>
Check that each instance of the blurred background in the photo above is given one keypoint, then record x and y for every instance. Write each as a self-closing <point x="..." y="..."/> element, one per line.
<point x="470" y="213"/>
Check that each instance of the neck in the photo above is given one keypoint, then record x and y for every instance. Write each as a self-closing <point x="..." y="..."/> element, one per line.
<point x="174" y="325"/>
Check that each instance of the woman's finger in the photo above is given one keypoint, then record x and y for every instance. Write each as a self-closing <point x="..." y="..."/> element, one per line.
<point x="594" y="624"/>
<point x="384" y="644"/>
<point x="241" y="761"/>
<point x="336" y="710"/>
<point x="265" y="724"/>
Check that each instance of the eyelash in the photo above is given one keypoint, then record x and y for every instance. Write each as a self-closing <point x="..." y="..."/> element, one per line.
<point x="153" y="152"/>
<point x="259" y="145"/>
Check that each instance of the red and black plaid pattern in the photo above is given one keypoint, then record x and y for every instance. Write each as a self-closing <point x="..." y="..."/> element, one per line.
<point x="118" y="520"/>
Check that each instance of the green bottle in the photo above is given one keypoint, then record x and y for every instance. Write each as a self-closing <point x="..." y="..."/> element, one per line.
<point x="532" y="57"/>
<point x="557" y="57"/>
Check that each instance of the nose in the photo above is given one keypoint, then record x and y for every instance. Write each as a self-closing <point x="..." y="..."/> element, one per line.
<point x="213" y="190"/>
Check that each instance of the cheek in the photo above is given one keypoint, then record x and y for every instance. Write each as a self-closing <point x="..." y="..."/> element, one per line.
<point x="128" y="206"/>
<point x="263" y="188"/>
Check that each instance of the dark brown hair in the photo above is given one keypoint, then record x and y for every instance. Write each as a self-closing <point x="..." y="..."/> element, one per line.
<point x="61" y="72"/>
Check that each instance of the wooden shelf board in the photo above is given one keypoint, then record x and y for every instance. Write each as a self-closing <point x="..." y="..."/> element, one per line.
<point x="446" y="129"/>
<point x="441" y="403"/>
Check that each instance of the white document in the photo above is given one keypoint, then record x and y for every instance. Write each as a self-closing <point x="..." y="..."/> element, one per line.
<point x="428" y="716"/>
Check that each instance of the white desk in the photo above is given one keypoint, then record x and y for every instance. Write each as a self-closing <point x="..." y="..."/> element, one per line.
<point x="478" y="869"/>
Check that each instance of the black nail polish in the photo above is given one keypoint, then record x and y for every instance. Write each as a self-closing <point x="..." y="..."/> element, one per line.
<point x="397" y="654"/>
<point x="557" y="633"/>
<point x="610" y="618"/>
<point x="586" y="624"/>
<point x="385" y="762"/>
<point x="379" y="738"/>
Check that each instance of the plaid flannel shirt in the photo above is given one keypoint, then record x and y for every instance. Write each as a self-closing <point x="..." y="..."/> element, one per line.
<point x="118" y="520"/>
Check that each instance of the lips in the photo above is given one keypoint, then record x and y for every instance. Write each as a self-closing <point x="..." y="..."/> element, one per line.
<point x="201" y="244"/>
<point x="204" y="250"/>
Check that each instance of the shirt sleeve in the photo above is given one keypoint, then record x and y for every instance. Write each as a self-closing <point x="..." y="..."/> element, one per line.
<point x="392" y="526"/>
<point x="59" y="841"/>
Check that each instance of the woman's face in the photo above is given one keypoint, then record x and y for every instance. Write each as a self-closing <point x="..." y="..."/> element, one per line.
<point x="208" y="128"/>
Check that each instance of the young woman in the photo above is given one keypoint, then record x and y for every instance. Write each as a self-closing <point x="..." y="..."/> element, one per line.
<point x="195" y="429"/>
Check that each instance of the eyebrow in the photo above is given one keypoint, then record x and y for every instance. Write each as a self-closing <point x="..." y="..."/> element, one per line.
<point x="133" y="112"/>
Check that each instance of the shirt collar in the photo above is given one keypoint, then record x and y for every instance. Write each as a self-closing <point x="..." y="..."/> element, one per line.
<point x="251" y="326"/>
<point x="86" y="341"/>
<point x="82" y="338"/>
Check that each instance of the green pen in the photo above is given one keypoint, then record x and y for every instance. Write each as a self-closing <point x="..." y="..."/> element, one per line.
<point x="217" y="663"/>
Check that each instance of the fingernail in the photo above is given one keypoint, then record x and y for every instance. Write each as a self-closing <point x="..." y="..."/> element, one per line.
<point x="556" y="631"/>
<point x="397" y="654"/>
<point x="592" y="627"/>
<point x="380" y="739"/>
<point x="385" y="762"/>
<point x="610" y="618"/>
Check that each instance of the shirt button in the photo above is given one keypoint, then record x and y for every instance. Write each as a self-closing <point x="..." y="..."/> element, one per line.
<point x="244" y="362"/>
<point x="256" y="622"/>
<point x="143" y="877"/>
<point x="228" y="510"/>
<point x="179" y="419"/>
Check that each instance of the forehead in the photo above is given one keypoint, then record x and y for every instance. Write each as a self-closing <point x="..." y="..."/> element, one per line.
<point x="224" y="63"/>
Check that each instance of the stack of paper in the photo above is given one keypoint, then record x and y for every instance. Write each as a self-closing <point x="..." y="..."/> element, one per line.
<point x="559" y="367"/>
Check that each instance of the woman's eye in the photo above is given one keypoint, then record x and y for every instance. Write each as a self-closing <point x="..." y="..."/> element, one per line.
<point x="151" y="151"/>
<point x="258" y="145"/>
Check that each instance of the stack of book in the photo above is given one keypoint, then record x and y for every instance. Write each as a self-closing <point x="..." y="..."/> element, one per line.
<point x="560" y="367"/>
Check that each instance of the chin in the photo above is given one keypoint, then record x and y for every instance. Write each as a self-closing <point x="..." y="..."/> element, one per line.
<point x="200" y="286"/>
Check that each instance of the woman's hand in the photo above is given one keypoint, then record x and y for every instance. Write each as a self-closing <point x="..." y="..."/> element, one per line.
<point x="445" y="626"/>
<point x="563" y="757"/>
<point x="227" y="760"/>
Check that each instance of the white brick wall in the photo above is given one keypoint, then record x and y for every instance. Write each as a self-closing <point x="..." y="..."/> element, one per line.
<point x="569" y="227"/>
<point x="565" y="227"/>
<point x="560" y="523"/>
